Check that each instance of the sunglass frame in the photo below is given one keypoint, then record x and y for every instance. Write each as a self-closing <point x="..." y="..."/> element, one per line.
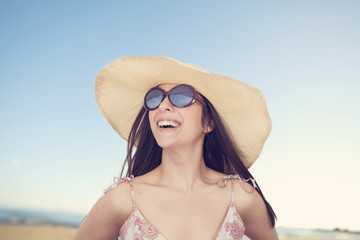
<point x="196" y="96"/>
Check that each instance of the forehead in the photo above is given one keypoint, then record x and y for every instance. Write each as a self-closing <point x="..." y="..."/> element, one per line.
<point x="167" y="86"/>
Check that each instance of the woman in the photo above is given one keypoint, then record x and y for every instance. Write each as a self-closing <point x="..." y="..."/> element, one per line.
<point x="192" y="135"/>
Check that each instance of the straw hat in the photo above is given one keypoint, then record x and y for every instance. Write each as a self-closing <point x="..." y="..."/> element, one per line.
<point x="121" y="86"/>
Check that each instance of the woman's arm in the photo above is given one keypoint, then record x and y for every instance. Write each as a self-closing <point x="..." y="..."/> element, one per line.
<point x="107" y="215"/>
<point x="253" y="212"/>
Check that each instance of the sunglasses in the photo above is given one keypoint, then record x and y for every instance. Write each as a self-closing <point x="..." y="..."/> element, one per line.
<point x="180" y="96"/>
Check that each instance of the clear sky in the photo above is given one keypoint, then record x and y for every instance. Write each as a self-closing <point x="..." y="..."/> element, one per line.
<point x="58" y="152"/>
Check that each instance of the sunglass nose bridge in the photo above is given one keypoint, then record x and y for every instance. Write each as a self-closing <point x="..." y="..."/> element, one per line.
<point x="166" y="103"/>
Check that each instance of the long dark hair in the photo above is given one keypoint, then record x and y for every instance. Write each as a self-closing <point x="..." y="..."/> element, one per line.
<point x="219" y="151"/>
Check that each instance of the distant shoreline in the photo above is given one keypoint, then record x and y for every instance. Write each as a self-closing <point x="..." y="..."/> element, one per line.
<point x="39" y="218"/>
<point x="339" y="230"/>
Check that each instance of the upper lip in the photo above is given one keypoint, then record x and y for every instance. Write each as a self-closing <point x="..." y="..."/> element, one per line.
<point x="167" y="120"/>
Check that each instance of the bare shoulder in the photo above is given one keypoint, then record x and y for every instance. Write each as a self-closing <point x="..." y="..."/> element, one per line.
<point x="246" y="197"/>
<point x="119" y="199"/>
<point x="253" y="212"/>
<point x="107" y="215"/>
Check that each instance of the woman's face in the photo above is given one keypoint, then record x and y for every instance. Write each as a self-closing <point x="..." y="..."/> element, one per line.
<point x="176" y="127"/>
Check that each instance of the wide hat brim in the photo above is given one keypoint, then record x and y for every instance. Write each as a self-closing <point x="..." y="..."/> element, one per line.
<point x="120" y="88"/>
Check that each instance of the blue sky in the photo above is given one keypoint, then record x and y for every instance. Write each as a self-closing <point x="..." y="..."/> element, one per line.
<point x="59" y="153"/>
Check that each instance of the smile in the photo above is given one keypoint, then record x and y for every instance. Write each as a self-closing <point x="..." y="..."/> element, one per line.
<point x="168" y="124"/>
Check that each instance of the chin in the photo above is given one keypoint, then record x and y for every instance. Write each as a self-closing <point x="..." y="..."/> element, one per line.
<point x="165" y="144"/>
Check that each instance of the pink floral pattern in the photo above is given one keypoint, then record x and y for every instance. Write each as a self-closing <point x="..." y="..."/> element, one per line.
<point x="146" y="228"/>
<point x="138" y="228"/>
<point x="233" y="227"/>
<point x="138" y="237"/>
<point x="236" y="230"/>
<point x="126" y="225"/>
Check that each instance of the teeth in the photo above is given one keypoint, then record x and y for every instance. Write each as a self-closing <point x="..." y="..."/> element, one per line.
<point x="168" y="124"/>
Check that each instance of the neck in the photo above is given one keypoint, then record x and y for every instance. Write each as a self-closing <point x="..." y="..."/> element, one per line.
<point x="182" y="168"/>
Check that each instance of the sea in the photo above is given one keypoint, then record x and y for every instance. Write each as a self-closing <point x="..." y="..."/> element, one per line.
<point x="40" y="217"/>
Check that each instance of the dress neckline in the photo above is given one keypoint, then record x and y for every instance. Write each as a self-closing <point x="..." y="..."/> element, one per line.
<point x="137" y="213"/>
<point x="238" y="230"/>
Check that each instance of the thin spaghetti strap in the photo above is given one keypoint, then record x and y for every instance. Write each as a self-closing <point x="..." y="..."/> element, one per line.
<point x="232" y="191"/>
<point x="223" y="181"/>
<point x="117" y="181"/>
<point x="132" y="193"/>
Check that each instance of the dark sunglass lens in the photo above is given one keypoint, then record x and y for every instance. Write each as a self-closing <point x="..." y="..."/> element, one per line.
<point x="181" y="96"/>
<point x="153" y="98"/>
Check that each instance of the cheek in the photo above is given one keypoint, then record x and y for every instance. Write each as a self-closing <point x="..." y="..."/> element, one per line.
<point x="196" y="120"/>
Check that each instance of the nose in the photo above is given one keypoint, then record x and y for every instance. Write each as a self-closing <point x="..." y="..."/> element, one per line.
<point x="166" y="105"/>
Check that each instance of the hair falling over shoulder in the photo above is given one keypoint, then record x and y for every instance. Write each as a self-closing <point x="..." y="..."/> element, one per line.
<point x="219" y="152"/>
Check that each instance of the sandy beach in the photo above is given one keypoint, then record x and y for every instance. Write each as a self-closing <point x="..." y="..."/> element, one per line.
<point x="16" y="232"/>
